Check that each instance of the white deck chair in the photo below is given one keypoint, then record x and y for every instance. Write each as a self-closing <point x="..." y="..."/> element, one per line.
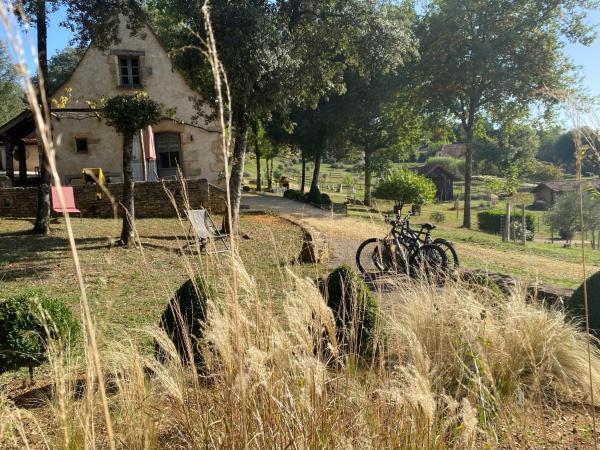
<point x="205" y="229"/>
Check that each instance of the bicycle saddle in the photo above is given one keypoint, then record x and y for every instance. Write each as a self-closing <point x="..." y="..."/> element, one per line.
<point x="427" y="226"/>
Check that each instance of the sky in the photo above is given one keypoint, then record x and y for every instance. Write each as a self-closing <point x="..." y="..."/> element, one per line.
<point x="586" y="58"/>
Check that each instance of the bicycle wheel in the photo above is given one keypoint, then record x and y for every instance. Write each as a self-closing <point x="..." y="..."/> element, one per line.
<point x="450" y="251"/>
<point x="374" y="257"/>
<point x="430" y="263"/>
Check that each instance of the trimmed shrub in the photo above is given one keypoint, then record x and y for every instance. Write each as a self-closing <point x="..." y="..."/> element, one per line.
<point x="516" y="230"/>
<point x="575" y="307"/>
<point x="325" y="199"/>
<point x="438" y="216"/>
<point x="355" y="310"/>
<point x="183" y="319"/>
<point x="292" y="194"/>
<point x="28" y="321"/>
<point x="539" y="205"/>
<point x="491" y="221"/>
<point x="566" y="235"/>
<point x="313" y="196"/>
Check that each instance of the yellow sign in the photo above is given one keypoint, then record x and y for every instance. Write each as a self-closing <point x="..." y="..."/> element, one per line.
<point x="93" y="175"/>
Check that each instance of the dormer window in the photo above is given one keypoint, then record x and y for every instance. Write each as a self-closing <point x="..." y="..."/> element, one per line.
<point x="129" y="71"/>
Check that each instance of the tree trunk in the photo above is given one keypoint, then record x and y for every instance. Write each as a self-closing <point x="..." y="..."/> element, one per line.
<point x="42" y="220"/>
<point x="368" y="177"/>
<point x="257" y="154"/>
<point x="314" y="192"/>
<point x="8" y="153"/>
<point x="468" y="127"/>
<point x="270" y="173"/>
<point x="128" y="196"/>
<point x="303" y="180"/>
<point x="237" y="170"/>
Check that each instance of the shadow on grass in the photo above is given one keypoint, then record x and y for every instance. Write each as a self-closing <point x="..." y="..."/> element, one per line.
<point x="42" y="396"/>
<point x="23" y="272"/>
<point x="22" y="246"/>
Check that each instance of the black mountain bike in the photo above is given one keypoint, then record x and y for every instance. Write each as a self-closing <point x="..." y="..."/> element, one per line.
<point x="424" y="235"/>
<point x="402" y="251"/>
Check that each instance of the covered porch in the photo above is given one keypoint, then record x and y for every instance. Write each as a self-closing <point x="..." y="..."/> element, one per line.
<point x="20" y="159"/>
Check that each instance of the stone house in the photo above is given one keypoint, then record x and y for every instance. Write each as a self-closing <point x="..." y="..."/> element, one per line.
<point x="83" y="140"/>
<point x="453" y="150"/>
<point x="549" y="191"/>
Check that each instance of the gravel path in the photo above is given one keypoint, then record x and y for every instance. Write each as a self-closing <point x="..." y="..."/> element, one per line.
<point x="342" y="249"/>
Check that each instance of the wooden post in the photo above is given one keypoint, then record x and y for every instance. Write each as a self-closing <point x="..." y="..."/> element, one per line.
<point x="506" y="231"/>
<point x="10" y="171"/>
<point x="457" y="207"/>
<point x="143" y="151"/>
<point x="22" y="163"/>
<point x="524" y="233"/>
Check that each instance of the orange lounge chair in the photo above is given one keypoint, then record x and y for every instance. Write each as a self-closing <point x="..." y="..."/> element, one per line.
<point x="69" y="198"/>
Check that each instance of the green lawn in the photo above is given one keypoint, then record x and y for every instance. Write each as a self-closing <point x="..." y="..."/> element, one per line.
<point x="129" y="288"/>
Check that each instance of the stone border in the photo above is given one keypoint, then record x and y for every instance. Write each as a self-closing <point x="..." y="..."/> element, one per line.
<point x="549" y="295"/>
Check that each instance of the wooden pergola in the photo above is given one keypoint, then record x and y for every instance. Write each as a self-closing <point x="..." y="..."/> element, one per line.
<point x="13" y="134"/>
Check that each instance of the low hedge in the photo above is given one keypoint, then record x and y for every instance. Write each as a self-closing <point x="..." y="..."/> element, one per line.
<point x="294" y="194"/>
<point x="491" y="221"/>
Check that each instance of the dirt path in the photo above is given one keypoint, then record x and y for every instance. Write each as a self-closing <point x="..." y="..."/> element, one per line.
<point x="345" y="233"/>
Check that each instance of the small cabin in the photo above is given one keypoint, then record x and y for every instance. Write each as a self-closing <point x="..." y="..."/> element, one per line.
<point x="549" y="191"/>
<point x="442" y="178"/>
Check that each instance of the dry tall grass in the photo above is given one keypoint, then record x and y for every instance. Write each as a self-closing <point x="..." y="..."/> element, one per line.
<point x="459" y="368"/>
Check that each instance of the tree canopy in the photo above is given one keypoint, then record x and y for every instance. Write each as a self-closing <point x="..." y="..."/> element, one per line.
<point x="496" y="58"/>
<point x="11" y="94"/>
<point x="61" y="66"/>
<point x="405" y="187"/>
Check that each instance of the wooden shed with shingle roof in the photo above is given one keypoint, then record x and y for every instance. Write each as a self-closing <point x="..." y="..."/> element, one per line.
<point x="442" y="178"/>
<point x="549" y="191"/>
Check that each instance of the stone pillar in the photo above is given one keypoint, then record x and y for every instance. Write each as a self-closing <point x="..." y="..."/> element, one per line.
<point x="10" y="171"/>
<point x="22" y="163"/>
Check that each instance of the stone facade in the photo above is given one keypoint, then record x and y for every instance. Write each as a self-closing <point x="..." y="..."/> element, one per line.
<point x="97" y="76"/>
<point x="151" y="199"/>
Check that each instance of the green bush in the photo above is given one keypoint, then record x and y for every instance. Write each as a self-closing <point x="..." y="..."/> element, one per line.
<point x="314" y="196"/>
<point x="404" y="187"/>
<point x="292" y="194"/>
<point x="355" y="310"/>
<point x="28" y="321"/>
<point x="575" y="307"/>
<point x="438" y="216"/>
<point x="325" y="199"/>
<point x="491" y="221"/>
<point x="183" y="319"/>
<point x="453" y="165"/>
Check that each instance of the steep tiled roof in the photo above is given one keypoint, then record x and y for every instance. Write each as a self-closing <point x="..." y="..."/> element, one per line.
<point x="453" y="150"/>
<point x="567" y="185"/>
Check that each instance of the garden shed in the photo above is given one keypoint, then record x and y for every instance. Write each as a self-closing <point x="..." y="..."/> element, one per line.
<point x="442" y="178"/>
<point x="549" y="191"/>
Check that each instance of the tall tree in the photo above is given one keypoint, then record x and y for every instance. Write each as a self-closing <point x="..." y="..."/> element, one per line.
<point x="128" y="114"/>
<point x="11" y="93"/>
<point x="277" y="54"/>
<point x="96" y="20"/>
<point x="489" y="56"/>
<point x="377" y="116"/>
<point x="60" y="67"/>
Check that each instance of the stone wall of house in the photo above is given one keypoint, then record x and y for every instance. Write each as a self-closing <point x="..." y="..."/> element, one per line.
<point x="97" y="76"/>
<point x="151" y="199"/>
